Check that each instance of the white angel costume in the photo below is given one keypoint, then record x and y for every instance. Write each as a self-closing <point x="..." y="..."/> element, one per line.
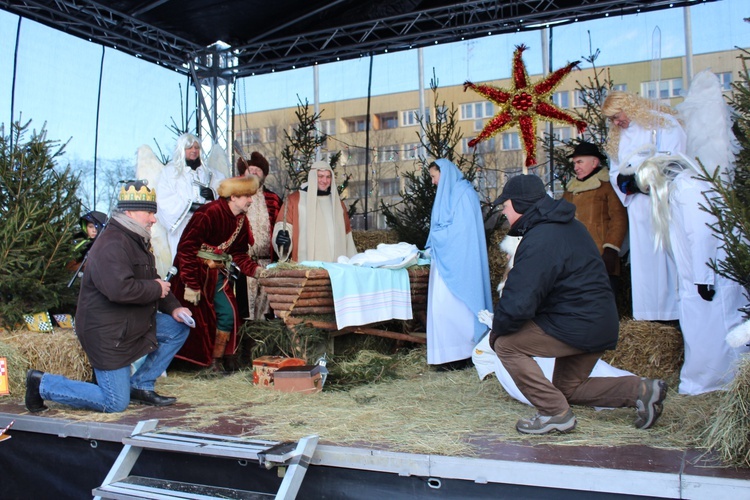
<point x="179" y="187"/>
<point x="684" y="228"/>
<point x="149" y="167"/>
<point x="652" y="271"/>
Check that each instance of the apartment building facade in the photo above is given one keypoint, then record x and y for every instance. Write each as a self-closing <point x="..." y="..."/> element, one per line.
<point x="375" y="165"/>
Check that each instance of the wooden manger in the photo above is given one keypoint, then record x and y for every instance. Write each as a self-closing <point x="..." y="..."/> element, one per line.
<point x="299" y="292"/>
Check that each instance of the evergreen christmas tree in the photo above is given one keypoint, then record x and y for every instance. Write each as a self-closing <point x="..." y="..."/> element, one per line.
<point x="592" y="94"/>
<point x="40" y="215"/>
<point x="730" y="201"/>
<point x="410" y="219"/>
<point x="300" y="151"/>
<point x="302" y="145"/>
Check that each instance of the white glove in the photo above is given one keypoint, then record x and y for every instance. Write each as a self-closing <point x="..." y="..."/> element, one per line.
<point x="485" y="317"/>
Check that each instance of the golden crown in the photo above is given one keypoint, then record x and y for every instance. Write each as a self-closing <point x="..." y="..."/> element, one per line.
<point x="137" y="191"/>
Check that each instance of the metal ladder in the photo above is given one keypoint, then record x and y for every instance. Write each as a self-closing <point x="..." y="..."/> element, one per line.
<point x="119" y="484"/>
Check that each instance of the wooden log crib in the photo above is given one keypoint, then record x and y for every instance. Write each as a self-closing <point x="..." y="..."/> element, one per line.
<point x="295" y="294"/>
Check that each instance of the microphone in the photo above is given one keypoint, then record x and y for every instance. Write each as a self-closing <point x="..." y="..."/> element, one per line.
<point x="172" y="271"/>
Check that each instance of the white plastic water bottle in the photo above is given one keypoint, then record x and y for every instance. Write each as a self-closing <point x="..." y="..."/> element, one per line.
<point x="323" y="370"/>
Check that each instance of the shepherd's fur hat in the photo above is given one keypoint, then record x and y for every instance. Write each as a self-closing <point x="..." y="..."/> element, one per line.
<point x="238" y="186"/>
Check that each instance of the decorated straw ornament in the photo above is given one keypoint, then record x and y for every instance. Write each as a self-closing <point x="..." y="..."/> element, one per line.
<point x="524" y="104"/>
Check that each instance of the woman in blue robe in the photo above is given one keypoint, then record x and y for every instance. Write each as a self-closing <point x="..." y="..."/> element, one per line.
<point x="459" y="274"/>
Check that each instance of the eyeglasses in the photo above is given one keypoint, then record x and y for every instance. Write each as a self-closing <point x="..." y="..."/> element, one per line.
<point x="617" y="117"/>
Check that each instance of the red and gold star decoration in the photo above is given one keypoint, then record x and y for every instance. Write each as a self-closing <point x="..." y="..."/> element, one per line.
<point x="524" y="104"/>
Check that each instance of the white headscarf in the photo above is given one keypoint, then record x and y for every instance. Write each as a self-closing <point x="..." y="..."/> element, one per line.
<point x="338" y="227"/>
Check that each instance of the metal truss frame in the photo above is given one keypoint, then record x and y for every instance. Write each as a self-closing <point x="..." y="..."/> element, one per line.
<point x="215" y="68"/>
<point x="274" y="50"/>
<point x="420" y="28"/>
<point x="100" y="24"/>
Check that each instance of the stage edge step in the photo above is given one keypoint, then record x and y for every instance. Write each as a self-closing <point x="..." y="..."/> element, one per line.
<point x="118" y="484"/>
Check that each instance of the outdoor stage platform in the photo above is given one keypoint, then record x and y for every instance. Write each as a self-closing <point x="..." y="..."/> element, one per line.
<point x="50" y="457"/>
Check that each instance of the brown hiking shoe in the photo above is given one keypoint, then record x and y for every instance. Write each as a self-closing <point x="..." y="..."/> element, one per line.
<point x="649" y="406"/>
<point x="540" y="424"/>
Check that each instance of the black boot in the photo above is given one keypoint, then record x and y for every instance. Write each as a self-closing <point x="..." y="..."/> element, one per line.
<point x="231" y="363"/>
<point x="34" y="401"/>
<point x="150" y="398"/>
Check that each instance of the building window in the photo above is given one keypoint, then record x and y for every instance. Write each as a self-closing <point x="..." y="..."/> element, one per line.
<point x="579" y="101"/>
<point x="620" y="87"/>
<point x="410" y="117"/>
<point x="356" y="124"/>
<point x="486" y="179"/>
<point x="725" y="79"/>
<point x="387" y="153"/>
<point x="326" y="155"/>
<point x="249" y="136"/>
<point x="386" y="121"/>
<point x="667" y="89"/>
<point x="441" y="113"/>
<point x="561" y="99"/>
<point x="486" y="146"/>
<point x="328" y="127"/>
<point x="270" y="134"/>
<point x="411" y="151"/>
<point x="356" y="189"/>
<point x="561" y="134"/>
<point x="476" y="110"/>
<point x="511" y="141"/>
<point x="389" y="187"/>
<point x="357" y="156"/>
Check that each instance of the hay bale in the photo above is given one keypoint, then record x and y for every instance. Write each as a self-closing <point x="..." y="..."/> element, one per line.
<point x="57" y="352"/>
<point x="365" y="240"/>
<point x="16" y="363"/>
<point x="649" y="349"/>
<point x="729" y="429"/>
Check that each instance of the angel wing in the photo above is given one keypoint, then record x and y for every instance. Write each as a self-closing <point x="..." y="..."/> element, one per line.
<point x="149" y="167"/>
<point x="708" y="124"/>
<point x="219" y="160"/>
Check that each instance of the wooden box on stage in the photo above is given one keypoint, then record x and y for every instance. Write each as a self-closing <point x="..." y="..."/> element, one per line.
<point x="307" y="290"/>
<point x="265" y="366"/>
<point x="306" y="379"/>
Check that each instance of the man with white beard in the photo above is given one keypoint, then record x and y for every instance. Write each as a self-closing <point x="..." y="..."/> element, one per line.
<point x="251" y="301"/>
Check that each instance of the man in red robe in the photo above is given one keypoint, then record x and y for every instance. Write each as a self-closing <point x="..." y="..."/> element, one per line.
<point x="215" y="240"/>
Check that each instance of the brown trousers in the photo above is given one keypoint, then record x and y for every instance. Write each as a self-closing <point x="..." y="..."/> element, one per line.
<point x="570" y="384"/>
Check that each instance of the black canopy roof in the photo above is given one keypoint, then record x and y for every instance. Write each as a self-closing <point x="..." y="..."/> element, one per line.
<point x="268" y="35"/>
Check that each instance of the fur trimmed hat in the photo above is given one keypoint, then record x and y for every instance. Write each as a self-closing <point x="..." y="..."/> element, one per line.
<point x="256" y="159"/>
<point x="136" y="196"/>
<point x="238" y="186"/>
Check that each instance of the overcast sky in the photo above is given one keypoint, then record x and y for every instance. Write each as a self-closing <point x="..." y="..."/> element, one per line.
<point x="58" y="74"/>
